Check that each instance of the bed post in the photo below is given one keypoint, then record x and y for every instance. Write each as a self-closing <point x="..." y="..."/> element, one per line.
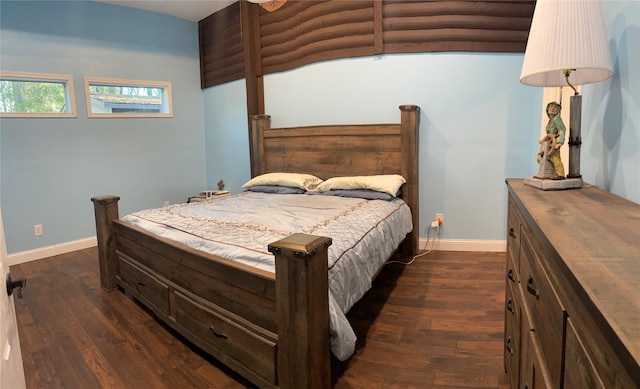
<point x="258" y="124"/>
<point x="106" y="210"/>
<point x="409" y="149"/>
<point x="302" y="311"/>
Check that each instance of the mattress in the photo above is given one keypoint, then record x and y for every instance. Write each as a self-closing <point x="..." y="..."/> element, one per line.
<point x="240" y="227"/>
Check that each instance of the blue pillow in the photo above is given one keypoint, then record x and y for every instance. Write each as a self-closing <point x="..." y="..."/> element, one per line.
<point x="366" y="194"/>
<point x="276" y="189"/>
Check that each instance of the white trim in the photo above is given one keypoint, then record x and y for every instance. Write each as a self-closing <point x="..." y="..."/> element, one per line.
<point x="465" y="245"/>
<point x="50" y="251"/>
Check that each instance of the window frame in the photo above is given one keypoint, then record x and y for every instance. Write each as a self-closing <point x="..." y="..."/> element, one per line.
<point x="167" y="99"/>
<point x="66" y="79"/>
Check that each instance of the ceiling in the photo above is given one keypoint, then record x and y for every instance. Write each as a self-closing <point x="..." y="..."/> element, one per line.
<point x="193" y="10"/>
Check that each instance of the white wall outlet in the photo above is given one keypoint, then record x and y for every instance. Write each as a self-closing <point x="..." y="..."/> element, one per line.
<point x="37" y="230"/>
<point x="439" y="218"/>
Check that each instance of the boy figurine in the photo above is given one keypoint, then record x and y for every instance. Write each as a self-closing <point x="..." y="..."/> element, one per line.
<point x="555" y="136"/>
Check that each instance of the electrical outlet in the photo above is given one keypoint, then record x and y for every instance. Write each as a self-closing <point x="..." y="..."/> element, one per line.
<point x="37" y="230"/>
<point x="439" y="218"/>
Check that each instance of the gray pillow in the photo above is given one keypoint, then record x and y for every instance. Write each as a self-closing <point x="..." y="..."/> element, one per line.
<point x="279" y="189"/>
<point x="366" y="194"/>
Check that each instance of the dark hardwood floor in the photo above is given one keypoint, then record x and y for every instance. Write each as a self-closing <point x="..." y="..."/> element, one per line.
<point x="437" y="323"/>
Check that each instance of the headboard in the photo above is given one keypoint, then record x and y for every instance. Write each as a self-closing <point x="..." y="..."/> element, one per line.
<point x="344" y="150"/>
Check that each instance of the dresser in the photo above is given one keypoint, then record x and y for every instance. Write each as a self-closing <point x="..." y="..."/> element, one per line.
<point x="572" y="296"/>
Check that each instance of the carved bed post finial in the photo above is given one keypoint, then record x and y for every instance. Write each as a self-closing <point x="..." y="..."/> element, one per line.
<point x="106" y="211"/>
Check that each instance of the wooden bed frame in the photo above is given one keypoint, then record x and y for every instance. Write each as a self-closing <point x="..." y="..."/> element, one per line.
<point x="272" y="329"/>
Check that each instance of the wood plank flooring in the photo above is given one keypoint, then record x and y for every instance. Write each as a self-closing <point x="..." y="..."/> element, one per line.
<point x="437" y="323"/>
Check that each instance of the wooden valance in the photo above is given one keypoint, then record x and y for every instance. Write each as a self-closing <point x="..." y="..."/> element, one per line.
<point x="245" y="41"/>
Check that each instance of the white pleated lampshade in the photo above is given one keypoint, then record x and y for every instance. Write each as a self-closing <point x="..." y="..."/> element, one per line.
<point x="566" y="34"/>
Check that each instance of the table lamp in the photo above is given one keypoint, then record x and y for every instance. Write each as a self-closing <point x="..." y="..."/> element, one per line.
<point x="567" y="45"/>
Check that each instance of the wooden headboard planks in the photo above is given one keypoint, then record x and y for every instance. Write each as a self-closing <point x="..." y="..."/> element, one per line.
<point x="331" y="151"/>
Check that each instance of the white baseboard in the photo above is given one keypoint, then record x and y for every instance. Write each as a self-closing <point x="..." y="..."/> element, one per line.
<point x="464" y="245"/>
<point x="50" y="251"/>
<point x="438" y="244"/>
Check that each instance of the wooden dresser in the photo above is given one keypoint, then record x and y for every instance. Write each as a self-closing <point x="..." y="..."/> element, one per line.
<point x="572" y="306"/>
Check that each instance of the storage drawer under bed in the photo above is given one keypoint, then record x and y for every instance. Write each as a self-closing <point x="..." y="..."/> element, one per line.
<point x="144" y="286"/>
<point x="229" y="335"/>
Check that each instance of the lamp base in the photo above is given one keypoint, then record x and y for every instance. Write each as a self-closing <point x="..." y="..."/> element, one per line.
<point x="548" y="184"/>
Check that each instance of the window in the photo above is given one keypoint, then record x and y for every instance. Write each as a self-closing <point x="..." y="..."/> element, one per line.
<point x="33" y="95"/>
<point x="109" y="98"/>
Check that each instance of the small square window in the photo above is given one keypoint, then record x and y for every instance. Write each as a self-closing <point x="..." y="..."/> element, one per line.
<point x="108" y="98"/>
<point x="35" y="95"/>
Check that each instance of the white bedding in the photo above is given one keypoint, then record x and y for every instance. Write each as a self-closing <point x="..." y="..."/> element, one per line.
<point x="240" y="227"/>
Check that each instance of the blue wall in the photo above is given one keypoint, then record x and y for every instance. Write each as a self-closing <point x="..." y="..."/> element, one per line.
<point x="227" y="135"/>
<point x="52" y="167"/>
<point x="478" y="124"/>
<point x="611" y="109"/>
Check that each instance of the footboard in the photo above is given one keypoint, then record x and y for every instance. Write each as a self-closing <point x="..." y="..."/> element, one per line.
<point x="272" y="329"/>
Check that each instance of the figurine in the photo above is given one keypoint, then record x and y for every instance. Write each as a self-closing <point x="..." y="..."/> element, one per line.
<point x="220" y="185"/>
<point x="550" y="145"/>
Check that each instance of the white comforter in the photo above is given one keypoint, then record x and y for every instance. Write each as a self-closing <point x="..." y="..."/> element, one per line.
<point x="240" y="227"/>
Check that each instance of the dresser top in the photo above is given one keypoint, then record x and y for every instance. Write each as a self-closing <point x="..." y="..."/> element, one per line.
<point x="597" y="235"/>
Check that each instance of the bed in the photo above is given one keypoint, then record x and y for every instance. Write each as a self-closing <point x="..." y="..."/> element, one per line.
<point x="271" y="327"/>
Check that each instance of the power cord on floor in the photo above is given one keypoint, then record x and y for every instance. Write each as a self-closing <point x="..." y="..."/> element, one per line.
<point x="426" y="245"/>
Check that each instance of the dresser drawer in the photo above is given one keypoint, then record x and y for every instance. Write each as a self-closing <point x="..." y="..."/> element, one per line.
<point x="512" y="334"/>
<point x="513" y="233"/>
<point x="547" y="314"/>
<point x="512" y="275"/>
<point x="579" y="370"/>
<point x="228" y="336"/>
<point x="536" y="375"/>
<point x="144" y="286"/>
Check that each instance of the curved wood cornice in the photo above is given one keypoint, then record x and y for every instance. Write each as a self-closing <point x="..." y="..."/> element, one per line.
<point x="245" y="41"/>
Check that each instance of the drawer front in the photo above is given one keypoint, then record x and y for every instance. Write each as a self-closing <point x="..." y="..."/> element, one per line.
<point x="547" y="314"/>
<point x="144" y="286"/>
<point x="579" y="370"/>
<point x="228" y="336"/>
<point x="512" y="335"/>
<point x="512" y="304"/>
<point x="513" y="276"/>
<point x="513" y="233"/>
<point x="536" y="375"/>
